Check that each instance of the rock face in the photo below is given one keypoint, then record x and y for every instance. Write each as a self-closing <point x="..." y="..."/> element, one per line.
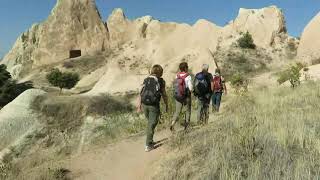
<point x="265" y="25"/>
<point x="309" y="48"/>
<point x="73" y="24"/>
<point x="139" y="43"/>
<point x="17" y="118"/>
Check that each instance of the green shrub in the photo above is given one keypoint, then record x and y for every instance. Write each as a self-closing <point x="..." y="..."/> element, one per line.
<point x="10" y="89"/>
<point x="4" y="74"/>
<point x="292" y="74"/>
<point x="63" y="80"/>
<point x="246" y="41"/>
<point x="239" y="82"/>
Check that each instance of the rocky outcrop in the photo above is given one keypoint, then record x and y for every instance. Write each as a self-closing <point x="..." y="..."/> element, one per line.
<point x="265" y="25"/>
<point x="139" y="43"/>
<point x="17" y="118"/>
<point x="73" y="24"/>
<point x="309" y="48"/>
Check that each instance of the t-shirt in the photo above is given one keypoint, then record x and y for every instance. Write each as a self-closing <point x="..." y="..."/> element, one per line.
<point x="188" y="81"/>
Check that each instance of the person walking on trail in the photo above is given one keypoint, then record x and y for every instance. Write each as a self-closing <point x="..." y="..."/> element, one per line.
<point x="182" y="93"/>
<point x="154" y="87"/>
<point x="203" y="88"/>
<point x="219" y="87"/>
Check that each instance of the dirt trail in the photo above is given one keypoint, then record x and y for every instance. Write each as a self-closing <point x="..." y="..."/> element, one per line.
<point x="125" y="160"/>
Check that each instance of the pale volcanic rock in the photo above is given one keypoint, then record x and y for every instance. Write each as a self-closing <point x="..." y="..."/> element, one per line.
<point x="309" y="48"/>
<point x="263" y="24"/>
<point x="73" y="24"/>
<point x="17" y="118"/>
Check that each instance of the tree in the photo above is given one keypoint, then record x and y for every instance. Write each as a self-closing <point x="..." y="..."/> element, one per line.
<point x="4" y="74"/>
<point x="292" y="74"/>
<point x="10" y="89"/>
<point x="246" y="41"/>
<point x="62" y="80"/>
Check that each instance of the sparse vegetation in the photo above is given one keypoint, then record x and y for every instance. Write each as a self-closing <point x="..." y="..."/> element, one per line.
<point x="63" y="79"/>
<point x="255" y="138"/>
<point x="239" y="82"/>
<point x="292" y="74"/>
<point x="246" y="41"/>
<point x="66" y="120"/>
<point x="291" y="49"/>
<point x="240" y="63"/>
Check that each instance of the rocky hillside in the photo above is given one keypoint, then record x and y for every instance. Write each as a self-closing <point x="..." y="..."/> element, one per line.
<point x="130" y="47"/>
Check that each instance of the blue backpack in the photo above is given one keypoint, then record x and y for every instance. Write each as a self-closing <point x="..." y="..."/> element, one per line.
<point x="201" y="85"/>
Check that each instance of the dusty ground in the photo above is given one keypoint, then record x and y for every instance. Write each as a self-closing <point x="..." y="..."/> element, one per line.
<point x="123" y="160"/>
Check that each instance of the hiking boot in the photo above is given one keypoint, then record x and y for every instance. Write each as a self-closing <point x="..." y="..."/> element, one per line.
<point x="148" y="148"/>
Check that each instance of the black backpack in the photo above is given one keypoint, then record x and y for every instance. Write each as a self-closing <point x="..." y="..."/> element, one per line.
<point x="151" y="94"/>
<point x="201" y="85"/>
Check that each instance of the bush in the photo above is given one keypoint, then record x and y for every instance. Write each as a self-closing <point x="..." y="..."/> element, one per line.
<point x="10" y="89"/>
<point x="63" y="80"/>
<point x="239" y="82"/>
<point x="246" y="41"/>
<point x="4" y="75"/>
<point x="292" y="74"/>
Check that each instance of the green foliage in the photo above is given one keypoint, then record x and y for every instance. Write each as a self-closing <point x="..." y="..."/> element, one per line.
<point x="292" y="74"/>
<point x="246" y="41"/>
<point x="63" y="80"/>
<point x="10" y="89"/>
<point x="240" y="63"/>
<point x="4" y="75"/>
<point x="239" y="82"/>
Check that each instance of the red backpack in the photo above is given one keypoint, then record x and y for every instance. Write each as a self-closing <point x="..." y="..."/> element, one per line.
<point x="180" y="88"/>
<point x="217" y="84"/>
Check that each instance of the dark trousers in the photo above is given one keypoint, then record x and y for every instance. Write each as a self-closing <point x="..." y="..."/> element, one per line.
<point x="152" y="114"/>
<point x="216" y="100"/>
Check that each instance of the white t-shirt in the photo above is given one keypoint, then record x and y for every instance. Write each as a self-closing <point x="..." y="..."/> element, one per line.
<point x="188" y="81"/>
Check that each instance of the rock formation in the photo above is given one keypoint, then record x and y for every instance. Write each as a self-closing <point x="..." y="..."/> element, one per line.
<point x="17" y="118"/>
<point x="265" y="25"/>
<point x="73" y="24"/>
<point x="309" y="48"/>
<point x="140" y="43"/>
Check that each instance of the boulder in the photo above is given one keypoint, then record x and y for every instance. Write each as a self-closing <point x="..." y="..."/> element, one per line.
<point x="263" y="24"/>
<point x="17" y="118"/>
<point x="309" y="48"/>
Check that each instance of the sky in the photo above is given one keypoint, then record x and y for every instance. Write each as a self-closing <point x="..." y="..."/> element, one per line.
<point x="16" y="16"/>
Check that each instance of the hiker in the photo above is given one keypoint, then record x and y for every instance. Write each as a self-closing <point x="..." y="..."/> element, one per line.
<point x="183" y="88"/>
<point x="219" y="87"/>
<point x="203" y="87"/>
<point x="154" y="87"/>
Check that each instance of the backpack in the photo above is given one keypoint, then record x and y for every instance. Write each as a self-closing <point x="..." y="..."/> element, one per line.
<point x="201" y="85"/>
<point x="180" y="88"/>
<point x="151" y="94"/>
<point x="217" y="84"/>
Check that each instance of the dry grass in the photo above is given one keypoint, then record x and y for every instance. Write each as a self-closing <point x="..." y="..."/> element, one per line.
<point x="265" y="135"/>
<point x="66" y="131"/>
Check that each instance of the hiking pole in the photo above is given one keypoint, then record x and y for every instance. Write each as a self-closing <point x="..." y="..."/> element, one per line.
<point x="213" y="57"/>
